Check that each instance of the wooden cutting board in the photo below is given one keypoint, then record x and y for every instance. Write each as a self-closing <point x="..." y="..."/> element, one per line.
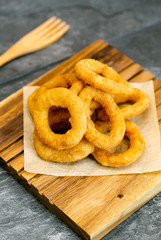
<point x="91" y="206"/>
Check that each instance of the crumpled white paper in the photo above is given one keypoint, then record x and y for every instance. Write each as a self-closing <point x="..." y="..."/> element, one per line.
<point x="148" y="162"/>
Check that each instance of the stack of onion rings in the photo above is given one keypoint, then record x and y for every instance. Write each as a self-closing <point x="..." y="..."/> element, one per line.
<point x="62" y="109"/>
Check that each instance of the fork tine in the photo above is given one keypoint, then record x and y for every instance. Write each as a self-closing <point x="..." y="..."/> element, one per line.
<point x="50" y="27"/>
<point x="56" y="36"/>
<point x="54" y="30"/>
<point x="44" y="25"/>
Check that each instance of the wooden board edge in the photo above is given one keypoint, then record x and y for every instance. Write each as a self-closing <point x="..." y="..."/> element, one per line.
<point x="125" y="214"/>
<point x="53" y="208"/>
<point x="58" y="212"/>
<point x="68" y="221"/>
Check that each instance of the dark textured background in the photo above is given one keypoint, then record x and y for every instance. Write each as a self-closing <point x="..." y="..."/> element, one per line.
<point x="134" y="27"/>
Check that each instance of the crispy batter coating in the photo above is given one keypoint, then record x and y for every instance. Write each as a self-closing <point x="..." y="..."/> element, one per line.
<point x="80" y="151"/>
<point x="101" y="76"/>
<point x="95" y="105"/>
<point x="68" y="80"/>
<point x="140" y="99"/>
<point x="60" y="97"/>
<point x="135" y="150"/>
<point x="117" y="122"/>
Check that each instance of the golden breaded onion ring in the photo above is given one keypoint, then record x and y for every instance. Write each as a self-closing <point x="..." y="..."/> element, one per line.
<point x="78" y="152"/>
<point x="117" y="122"/>
<point x="60" y="97"/>
<point x="68" y="80"/>
<point x="101" y="76"/>
<point x="135" y="150"/>
<point x="140" y="99"/>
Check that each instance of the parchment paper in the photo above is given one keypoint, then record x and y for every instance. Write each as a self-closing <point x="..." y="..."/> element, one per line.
<point x="148" y="162"/>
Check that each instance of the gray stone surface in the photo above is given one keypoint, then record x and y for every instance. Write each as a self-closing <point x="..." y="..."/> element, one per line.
<point x="134" y="27"/>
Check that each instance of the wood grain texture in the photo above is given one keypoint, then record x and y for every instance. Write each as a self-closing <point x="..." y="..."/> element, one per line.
<point x="157" y="84"/>
<point x="131" y="71"/>
<point x="17" y="164"/>
<point x="12" y="150"/>
<point x="143" y="77"/>
<point x="92" y="206"/>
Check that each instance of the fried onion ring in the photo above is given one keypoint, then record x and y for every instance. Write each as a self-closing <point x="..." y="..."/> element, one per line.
<point x="78" y="152"/>
<point x="140" y="99"/>
<point x="101" y="76"/>
<point x="137" y="145"/>
<point x="60" y="97"/>
<point x="117" y="122"/>
<point x="68" y="80"/>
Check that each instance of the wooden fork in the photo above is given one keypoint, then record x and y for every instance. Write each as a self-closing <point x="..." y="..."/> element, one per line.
<point x="42" y="36"/>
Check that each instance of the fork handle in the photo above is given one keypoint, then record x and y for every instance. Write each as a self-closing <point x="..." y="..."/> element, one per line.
<point x="10" y="54"/>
